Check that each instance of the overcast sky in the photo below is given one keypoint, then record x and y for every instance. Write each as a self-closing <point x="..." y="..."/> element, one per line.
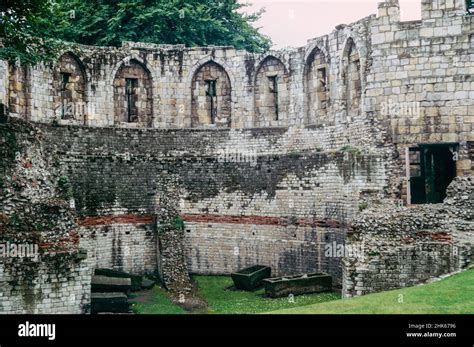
<point x="292" y="23"/>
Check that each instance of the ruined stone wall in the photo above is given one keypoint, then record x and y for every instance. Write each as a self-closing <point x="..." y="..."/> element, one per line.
<point x="348" y="103"/>
<point x="374" y="68"/>
<point x="127" y="245"/>
<point x="170" y="75"/>
<point x="420" y="83"/>
<point x="41" y="266"/>
<point x="132" y="84"/>
<point x="248" y="195"/>
<point x="408" y="246"/>
<point x="377" y="82"/>
<point x="69" y="89"/>
<point x="49" y="285"/>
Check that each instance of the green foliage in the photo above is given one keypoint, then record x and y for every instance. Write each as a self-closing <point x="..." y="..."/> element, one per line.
<point x="26" y="31"/>
<point x="351" y="150"/>
<point x="65" y="187"/>
<point x="35" y="30"/>
<point x="363" y="205"/>
<point x="178" y="223"/>
<point x="189" y="22"/>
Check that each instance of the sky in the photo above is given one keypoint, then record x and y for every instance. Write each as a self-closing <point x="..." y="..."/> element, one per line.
<point x="292" y="23"/>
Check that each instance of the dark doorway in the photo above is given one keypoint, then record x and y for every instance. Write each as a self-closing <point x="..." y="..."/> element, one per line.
<point x="432" y="169"/>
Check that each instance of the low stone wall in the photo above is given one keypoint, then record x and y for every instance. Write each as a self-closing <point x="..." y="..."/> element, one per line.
<point x="55" y="284"/>
<point x="407" y="246"/>
<point x="124" y="247"/>
<point x="223" y="248"/>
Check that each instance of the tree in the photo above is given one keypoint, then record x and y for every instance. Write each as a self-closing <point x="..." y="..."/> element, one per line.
<point x="25" y="30"/>
<point x="189" y="22"/>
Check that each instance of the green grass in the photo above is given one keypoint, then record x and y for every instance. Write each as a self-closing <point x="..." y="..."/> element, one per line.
<point x="224" y="301"/>
<point x="454" y="294"/>
<point x="156" y="302"/>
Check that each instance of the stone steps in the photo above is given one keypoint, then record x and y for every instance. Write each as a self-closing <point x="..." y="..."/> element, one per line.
<point x="109" y="303"/>
<point x="110" y="290"/>
<point x="110" y="284"/>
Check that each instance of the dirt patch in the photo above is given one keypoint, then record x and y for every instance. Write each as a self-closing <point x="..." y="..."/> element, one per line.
<point x="142" y="297"/>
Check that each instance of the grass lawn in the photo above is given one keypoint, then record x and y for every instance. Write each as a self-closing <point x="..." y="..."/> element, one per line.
<point x="454" y="294"/>
<point x="154" y="301"/>
<point x="214" y="289"/>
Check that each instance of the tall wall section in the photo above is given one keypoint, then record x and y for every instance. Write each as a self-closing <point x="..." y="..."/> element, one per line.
<point x="42" y="269"/>
<point x="275" y="200"/>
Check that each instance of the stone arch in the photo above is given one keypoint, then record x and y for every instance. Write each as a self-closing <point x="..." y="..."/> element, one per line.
<point x="271" y="94"/>
<point x="271" y="55"/>
<point x="70" y="89"/>
<point x="133" y="93"/>
<point x="205" y="60"/>
<point x="319" y="45"/>
<point x="351" y="73"/>
<point x="211" y="95"/>
<point x="316" y="84"/>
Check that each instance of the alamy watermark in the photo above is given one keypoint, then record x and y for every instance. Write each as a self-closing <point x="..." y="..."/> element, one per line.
<point x="392" y="108"/>
<point x="237" y="156"/>
<point x="343" y="250"/>
<point x="19" y="250"/>
<point x="75" y="110"/>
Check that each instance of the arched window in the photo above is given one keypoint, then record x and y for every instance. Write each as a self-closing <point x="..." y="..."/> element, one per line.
<point x="211" y="96"/>
<point x="70" y="89"/>
<point x="133" y="101"/>
<point x="352" y="79"/>
<point x="316" y="86"/>
<point x="271" y="93"/>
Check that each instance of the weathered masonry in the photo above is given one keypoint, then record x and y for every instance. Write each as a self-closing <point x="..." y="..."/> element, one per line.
<point x="362" y="138"/>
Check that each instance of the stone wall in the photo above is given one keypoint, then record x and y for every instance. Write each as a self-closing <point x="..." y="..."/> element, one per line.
<point x="41" y="266"/>
<point x="259" y="193"/>
<point x="121" y="245"/>
<point x="420" y="82"/>
<point x="375" y="82"/>
<point x="69" y="86"/>
<point x="56" y="284"/>
<point x="335" y="119"/>
<point x="408" y="246"/>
